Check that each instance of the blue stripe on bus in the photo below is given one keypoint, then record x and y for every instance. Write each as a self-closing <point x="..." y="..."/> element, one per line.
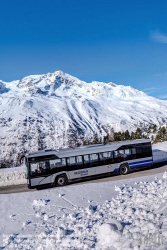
<point x="140" y="163"/>
<point x="137" y="163"/>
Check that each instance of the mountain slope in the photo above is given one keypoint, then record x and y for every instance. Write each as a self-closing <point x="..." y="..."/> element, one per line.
<point x="48" y="110"/>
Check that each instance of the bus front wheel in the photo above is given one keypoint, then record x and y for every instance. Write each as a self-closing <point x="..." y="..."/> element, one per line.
<point x="124" y="169"/>
<point x="61" y="180"/>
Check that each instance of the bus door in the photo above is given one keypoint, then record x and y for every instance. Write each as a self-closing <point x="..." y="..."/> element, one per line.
<point x="106" y="163"/>
<point x="39" y="173"/>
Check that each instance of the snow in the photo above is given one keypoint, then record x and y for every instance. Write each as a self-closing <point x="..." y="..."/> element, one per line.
<point x="159" y="152"/>
<point x="45" y="107"/>
<point x="12" y="176"/>
<point x="128" y="214"/>
<point x="122" y="214"/>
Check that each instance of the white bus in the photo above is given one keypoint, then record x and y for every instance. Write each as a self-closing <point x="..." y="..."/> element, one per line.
<point x="59" y="167"/>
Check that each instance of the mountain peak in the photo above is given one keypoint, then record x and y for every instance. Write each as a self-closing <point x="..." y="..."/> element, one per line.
<point x="51" y="108"/>
<point x="62" y="84"/>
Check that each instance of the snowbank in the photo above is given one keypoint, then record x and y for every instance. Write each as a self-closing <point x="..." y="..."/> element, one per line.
<point x="12" y="176"/>
<point x="160" y="152"/>
<point x="101" y="216"/>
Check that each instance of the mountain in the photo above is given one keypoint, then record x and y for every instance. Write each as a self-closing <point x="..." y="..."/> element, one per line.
<point x="49" y="110"/>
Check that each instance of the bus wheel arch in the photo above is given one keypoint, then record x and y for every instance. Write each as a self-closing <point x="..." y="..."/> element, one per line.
<point x="124" y="169"/>
<point x="61" y="180"/>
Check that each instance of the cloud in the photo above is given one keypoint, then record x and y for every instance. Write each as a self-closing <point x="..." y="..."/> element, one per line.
<point x="158" y="37"/>
<point x="162" y="96"/>
<point x="149" y="90"/>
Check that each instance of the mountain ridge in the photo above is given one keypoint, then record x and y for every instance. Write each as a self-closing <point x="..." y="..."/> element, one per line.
<point x="49" y="110"/>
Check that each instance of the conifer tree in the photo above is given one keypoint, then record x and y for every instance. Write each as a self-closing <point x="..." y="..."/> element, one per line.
<point x="127" y="135"/>
<point x="95" y="139"/>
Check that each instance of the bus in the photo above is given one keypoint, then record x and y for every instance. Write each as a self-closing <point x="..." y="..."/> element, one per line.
<point x="59" y="167"/>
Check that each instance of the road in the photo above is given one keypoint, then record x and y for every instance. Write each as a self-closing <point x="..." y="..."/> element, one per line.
<point x="156" y="169"/>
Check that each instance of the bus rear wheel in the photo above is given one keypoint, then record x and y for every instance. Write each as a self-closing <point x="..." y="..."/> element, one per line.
<point x="124" y="169"/>
<point x="61" y="180"/>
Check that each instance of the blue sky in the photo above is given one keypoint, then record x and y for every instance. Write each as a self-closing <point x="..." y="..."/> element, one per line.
<point x="111" y="40"/>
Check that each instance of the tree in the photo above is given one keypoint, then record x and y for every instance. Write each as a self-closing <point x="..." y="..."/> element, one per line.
<point x="154" y="128"/>
<point x="127" y="135"/>
<point x="118" y="136"/>
<point x="95" y="139"/>
<point x="138" y="133"/>
<point x="109" y="137"/>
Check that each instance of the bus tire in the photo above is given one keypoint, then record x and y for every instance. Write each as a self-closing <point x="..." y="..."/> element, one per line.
<point x="124" y="169"/>
<point x="61" y="180"/>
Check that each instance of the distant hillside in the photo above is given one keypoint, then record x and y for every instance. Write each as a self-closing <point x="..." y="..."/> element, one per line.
<point x="50" y="110"/>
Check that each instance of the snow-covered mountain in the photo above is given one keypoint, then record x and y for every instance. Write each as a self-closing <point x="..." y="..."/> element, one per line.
<point x="48" y="110"/>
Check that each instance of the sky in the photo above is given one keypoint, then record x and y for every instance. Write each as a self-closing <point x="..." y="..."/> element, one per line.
<point x="118" y="41"/>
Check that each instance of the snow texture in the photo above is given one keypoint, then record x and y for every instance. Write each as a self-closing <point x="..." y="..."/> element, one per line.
<point x="129" y="214"/>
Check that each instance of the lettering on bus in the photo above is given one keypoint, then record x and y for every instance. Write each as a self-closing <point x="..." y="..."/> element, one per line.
<point x="82" y="173"/>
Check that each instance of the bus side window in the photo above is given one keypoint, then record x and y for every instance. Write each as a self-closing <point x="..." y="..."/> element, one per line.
<point x="63" y="162"/>
<point x="122" y="156"/>
<point x="71" y="161"/>
<point x="79" y="160"/>
<point x="133" y="153"/>
<point x="109" y="157"/>
<point x="128" y="154"/>
<point x="146" y="150"/>
<point x="86" y="160"/>
<point x="56" y="163"/>
<point x="139" y="152"/>
<point x="102" y="159"/>
<point x="94" y="160"/>
<point x="106" y="158"/>
<point x="115" y="156"/>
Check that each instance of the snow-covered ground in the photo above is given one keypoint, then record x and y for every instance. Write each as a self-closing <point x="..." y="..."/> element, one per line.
<point x="124" y="214"/>
<point x="129" y="214"/>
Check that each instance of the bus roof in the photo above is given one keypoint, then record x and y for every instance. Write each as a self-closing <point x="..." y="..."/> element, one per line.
<point x="89" y="149"/>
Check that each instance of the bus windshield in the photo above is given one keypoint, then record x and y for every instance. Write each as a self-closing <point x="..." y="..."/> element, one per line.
<point x="39" y="168"/>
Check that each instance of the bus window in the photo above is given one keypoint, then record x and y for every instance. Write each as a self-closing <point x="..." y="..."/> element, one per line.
<point x="94" y="160"/>
<point x="116" y="156"/>
<point x="122" y="156"/>
<point x="128" y="154"/>
<point x="133" y="153"/>
<point x="63" y="162"/>
<point x="146" y="150"/>
<point x="38" y="168"/>
<point x="79" y="160"/>
<point x="138" y="152"/>
<point x="56" y="163"/>
<point x="106" y="158"/>
<point x="71" y="161"/>
<point x="86" y="160"/>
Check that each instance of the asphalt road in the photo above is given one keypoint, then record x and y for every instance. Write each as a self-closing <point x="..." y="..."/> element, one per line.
<point x="156" y="169"/>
